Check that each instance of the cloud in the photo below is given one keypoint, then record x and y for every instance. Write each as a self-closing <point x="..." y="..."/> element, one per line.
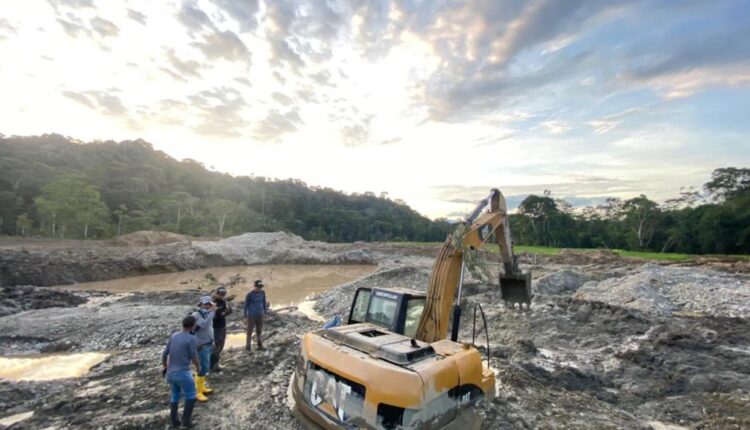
<point x="104" y="28"/>
<point x="243" y="11"/>
<point x="220" y="112"/>
<point x="193" y="18"/>
<point x="277" y="124"/>
<point x="224" y="45"/>
<point x="556" y="126"/>
<point x="6" y="29"/>
<point x="578" y="189"/>
<point x="137" y="16"/>
<point x="355" y="134"/>
<point x="102" y="101"/>
<point x="189" y="68"/>
<point x="73" y="4"/>
<point x="73" y="29"/>
<point x="282" y="98"/>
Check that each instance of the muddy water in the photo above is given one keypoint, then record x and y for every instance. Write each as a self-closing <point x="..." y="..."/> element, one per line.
<point x="47" y="367"/>
<point x="286" y="284"/>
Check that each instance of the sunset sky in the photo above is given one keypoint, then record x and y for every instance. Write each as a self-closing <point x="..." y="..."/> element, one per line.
<point x="433" y="102"/>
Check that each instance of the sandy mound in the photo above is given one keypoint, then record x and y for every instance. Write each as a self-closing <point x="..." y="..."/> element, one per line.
<point x="666" y="290"/>
<point x="151" y="238"/>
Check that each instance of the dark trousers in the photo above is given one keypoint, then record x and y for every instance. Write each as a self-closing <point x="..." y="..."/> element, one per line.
<point x="257" y="323"/>
<point x="220" y="337"/>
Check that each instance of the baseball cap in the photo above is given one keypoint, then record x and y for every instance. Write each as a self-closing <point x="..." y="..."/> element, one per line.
<point x="259" y="283"/>
<point x="206" y="299"/>
<point x="221" y="290"/>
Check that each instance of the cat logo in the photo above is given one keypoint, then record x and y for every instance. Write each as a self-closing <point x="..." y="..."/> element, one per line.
<point x="485" y="231"/>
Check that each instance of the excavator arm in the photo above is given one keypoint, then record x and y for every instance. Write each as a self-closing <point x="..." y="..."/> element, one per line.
<point x="447" y="272"/>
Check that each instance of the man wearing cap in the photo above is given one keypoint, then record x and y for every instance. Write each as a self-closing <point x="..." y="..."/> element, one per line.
<point x="181" y="350"/>
<point x="223" y="309"/>
<point x="255" y="308"/>
<point x="204" y="338"/>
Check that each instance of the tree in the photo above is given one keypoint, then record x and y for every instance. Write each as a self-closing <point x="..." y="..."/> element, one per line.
<point x="72" y="201"/>
<point x="727" y="182"/>
<point x="220" y="210"/>
<point x="639" y="215"/>
<point x="120" y="212"/>
<point x="10" y="206"/>
<point x="24" y="224"/>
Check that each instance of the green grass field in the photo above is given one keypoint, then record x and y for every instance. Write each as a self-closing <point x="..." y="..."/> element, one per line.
<point x="545" y="250"/>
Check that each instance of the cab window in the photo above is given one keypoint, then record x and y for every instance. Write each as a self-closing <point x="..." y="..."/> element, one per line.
<point x="382" y="311"/>
<point x="361" y="302"/>
<point x="414" y="310"/>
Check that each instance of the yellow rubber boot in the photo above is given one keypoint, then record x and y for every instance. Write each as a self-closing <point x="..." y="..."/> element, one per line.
<point x="200" y="383"/>
<point x="206" y="388"/>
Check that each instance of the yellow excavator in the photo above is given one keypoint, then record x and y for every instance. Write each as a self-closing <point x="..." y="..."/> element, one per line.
<point x="392" y="366"/>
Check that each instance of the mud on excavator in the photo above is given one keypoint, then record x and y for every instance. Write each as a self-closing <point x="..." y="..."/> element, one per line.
<point x="392" y="366"/>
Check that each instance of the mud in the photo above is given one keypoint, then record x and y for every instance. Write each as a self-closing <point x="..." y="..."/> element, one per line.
<point x="584" y="356"/>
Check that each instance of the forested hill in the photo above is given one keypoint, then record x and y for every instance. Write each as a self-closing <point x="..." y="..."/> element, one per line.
<point x="53" y="186"/>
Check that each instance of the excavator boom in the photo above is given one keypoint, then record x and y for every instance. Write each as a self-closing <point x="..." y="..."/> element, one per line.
<point x="447" y="272"/>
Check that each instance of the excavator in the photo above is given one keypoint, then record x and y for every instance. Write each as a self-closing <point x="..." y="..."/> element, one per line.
<point x="392" y="365"/>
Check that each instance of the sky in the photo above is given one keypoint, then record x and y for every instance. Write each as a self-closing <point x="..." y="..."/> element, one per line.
<point x="432" y="102"/>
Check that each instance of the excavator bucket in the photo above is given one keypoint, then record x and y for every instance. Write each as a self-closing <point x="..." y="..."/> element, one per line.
<point x="516" y="289"/>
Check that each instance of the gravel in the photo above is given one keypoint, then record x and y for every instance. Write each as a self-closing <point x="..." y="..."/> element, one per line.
<point x="665" y="290"/>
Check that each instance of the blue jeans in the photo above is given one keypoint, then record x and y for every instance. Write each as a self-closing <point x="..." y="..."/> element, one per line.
<point x="181" y="383"/>
<point x="204" y="355"/>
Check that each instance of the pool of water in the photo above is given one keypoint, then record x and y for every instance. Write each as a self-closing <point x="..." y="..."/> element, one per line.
<point x="286" y="284"/>
<point x="48" y="367"/>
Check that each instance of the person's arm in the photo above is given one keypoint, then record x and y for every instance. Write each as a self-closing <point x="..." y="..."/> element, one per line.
<point x="265" y="304"/>
<point x="201" y="321"/>
<point x="194" y="355"/>
<point x="247" y="305"/>
<point x="165" y="354"/>
<point x="228" y="309"/>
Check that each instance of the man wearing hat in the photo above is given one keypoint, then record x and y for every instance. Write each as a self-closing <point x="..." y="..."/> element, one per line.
<point x="223" y="309"/>
<point x="255" y="308"/>
<point x="204" y="338"/>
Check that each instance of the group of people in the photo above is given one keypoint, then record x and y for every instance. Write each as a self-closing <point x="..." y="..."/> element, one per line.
<point x="200" y="343"/>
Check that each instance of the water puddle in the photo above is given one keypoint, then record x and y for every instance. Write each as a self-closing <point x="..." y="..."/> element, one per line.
<point x="286" y="284"/>
<point x="48" y="367"/>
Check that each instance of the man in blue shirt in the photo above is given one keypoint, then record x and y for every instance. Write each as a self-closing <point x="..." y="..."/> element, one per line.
<point x="181" y="350"/>
<point x="256" y="307"/>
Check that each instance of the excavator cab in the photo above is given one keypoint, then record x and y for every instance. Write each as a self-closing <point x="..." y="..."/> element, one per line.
<point x="397" y="310"/>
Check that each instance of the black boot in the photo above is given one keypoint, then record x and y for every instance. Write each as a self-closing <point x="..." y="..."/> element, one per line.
<point x="187" y="414"/>
<point x="173" y="417"/>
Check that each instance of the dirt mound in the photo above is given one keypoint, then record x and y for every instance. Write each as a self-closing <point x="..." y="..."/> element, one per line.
<point x="564" y="282"/>
<point x="280" y="248"/>
<point x="666" y="290"/>
<point x="151" y="238"/>
<point x="577" y="256"/>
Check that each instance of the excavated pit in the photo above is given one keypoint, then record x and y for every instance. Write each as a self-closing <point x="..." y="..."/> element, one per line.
<point x="608" y="343"/>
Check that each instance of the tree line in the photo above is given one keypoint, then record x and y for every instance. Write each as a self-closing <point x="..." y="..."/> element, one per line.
<point x="54" y="186"/>
<point x="714" y="220"/>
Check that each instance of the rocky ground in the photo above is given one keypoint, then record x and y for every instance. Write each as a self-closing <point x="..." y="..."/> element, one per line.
<point x="608" y="343"/>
